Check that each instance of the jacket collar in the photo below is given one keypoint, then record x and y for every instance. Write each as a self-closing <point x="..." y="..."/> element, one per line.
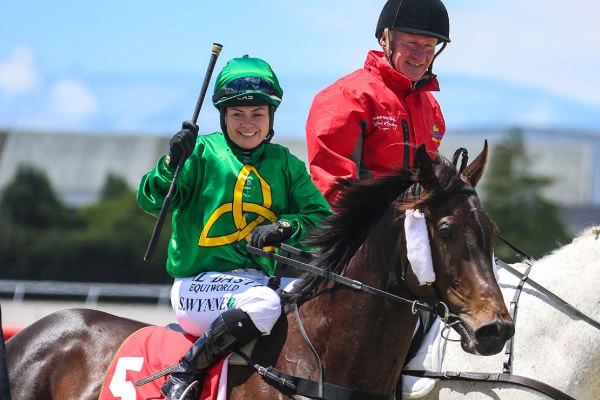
<point x="377" y="64"/>
<point x="246" y="156"/>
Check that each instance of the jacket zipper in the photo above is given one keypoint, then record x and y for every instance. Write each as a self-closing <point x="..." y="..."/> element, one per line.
<point x="406" y="134"/>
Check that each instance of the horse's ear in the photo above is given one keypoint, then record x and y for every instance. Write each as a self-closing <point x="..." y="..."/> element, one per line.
<point x="423" y="164"/>
<point x="472" y="174"/>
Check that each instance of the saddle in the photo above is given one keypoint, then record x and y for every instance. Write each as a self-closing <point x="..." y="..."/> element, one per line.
<point x="150" y="351"/>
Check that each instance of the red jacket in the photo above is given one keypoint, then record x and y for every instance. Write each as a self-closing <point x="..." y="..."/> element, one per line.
<point x="369" y="123"/>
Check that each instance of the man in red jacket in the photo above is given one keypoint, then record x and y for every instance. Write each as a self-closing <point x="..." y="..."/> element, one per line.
<point x="370" y="122"/>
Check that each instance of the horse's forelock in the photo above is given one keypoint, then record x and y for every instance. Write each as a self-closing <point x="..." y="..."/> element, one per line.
<point x="446" y="182"/>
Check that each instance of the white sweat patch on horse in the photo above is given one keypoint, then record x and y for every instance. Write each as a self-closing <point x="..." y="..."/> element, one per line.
<point x="418" y="250"/>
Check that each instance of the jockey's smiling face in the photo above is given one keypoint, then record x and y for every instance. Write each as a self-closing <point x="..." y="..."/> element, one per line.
<point x="411" y="54"/>
<point x="247" y="126"/>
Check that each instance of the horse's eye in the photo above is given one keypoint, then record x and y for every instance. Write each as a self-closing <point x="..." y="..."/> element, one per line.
<point x="445" y="232"/>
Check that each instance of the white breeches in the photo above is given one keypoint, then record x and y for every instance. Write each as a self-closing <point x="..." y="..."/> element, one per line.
<point x="198" y="300"/>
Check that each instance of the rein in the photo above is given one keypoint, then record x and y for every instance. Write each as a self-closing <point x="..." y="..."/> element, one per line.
<point x="294" y="385"/>
<point x="563" y="305"/>
<point x="493" y="377"/>
<point x="514" y="305"/>
<point x="323" y="390"/>
<point x="440" y="308"/>
<point x="507" y="376"/>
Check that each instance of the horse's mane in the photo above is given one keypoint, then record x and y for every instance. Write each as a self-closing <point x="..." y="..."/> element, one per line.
<point x="360" y="206"/>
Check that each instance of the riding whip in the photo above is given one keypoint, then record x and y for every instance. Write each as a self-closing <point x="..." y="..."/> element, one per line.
<point x="215" y="51"/>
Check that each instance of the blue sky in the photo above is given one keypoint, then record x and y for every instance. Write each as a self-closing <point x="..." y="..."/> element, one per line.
<point x="137" y="66"/>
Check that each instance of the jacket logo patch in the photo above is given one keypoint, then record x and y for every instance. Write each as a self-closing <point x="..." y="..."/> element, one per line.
<point x="384" y="123"/>
<point x="239" y="208"/>
<point x="436" y="136"/>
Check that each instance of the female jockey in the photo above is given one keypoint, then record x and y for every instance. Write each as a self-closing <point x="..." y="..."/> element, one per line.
<point x="234" y="188"/>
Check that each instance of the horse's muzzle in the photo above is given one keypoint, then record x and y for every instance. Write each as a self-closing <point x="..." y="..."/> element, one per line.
<point x="490" y="338"/>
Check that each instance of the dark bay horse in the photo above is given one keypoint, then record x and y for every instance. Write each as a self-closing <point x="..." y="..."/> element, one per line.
<point x="361" y="339"/>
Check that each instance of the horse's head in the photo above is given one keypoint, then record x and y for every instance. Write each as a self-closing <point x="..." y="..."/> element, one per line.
<point x="462" y="239"/>
<point x="364" y="240"/>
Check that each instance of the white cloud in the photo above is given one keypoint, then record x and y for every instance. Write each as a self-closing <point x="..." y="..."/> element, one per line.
<point x="17" y="72"/>
<point x="547" y="44"/>
<point x="72" y="101"/>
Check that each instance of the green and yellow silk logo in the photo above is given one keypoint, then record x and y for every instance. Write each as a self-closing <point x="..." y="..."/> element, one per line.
<point x="239" y="208"/>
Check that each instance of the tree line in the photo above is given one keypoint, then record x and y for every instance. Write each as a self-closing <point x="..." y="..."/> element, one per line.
<point x="43" y="239"/>
<point x="513" y="197"/>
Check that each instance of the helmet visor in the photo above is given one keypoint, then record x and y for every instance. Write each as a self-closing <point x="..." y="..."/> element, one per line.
<point x="240" y="86"/>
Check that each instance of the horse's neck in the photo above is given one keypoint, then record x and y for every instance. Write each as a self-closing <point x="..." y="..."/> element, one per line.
<point x="362" y="339"/>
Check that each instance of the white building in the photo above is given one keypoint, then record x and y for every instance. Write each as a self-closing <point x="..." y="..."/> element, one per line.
<point x="77" y="164"/>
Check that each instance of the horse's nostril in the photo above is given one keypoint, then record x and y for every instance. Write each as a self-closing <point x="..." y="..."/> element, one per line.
<point x="488" y="332"/>
<point x="497" y="330"/>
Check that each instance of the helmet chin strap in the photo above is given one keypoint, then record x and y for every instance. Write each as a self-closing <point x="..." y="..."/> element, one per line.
<point x="271" y="118"/>
<point x="444" y="44"/>
<point x="387" y="48"/>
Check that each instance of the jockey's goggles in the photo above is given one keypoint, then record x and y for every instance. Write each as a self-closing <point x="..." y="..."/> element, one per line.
<point x="247" y="84"/>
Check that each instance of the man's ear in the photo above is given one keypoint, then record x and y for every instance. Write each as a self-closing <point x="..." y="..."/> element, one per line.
<point x="383" y="38"/>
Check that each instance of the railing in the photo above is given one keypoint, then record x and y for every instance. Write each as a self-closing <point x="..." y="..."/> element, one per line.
<point x="91" y="291"/>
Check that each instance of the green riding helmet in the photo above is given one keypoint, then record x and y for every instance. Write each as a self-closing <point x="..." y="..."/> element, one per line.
<point x="247" y="81"/>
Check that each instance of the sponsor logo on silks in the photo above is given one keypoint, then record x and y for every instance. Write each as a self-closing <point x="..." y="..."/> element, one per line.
<point x="230" y="303"/>
<point x="239" y="208"/>
<point x="202" y="305"/>
<point x="384" y="123"/>
<point x="436" y="136"/>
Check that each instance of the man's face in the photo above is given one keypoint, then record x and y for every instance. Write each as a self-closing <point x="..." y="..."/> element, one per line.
<point x="411" y="54"/>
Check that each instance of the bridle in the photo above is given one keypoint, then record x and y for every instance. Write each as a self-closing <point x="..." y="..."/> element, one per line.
<point x="507" y="376"/>
<point x="320" y="389"/>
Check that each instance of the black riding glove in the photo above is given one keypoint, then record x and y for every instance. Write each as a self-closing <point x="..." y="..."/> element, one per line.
<point x="182" y="143"/>
<point x="268" y="235"/>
